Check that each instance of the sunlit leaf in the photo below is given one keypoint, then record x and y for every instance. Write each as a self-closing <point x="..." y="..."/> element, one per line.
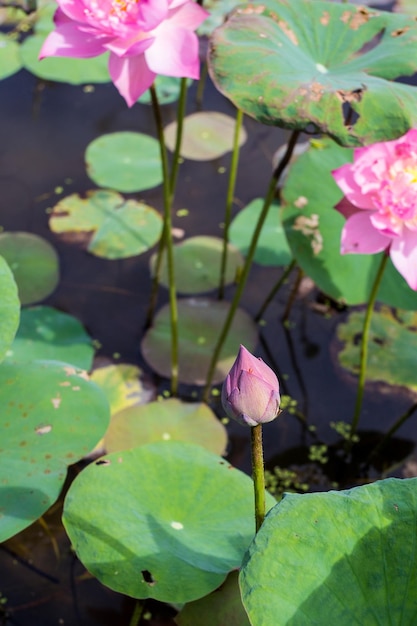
<point x="150" y="513"/>
<point x="200" y="322"/>
<point x="124" y="161"/>
<point x="166" y="420"/>
<point x="198" y="261"/>
<point x="9" y="308"/>
<point x="51" y="417"/>
<point x="34" y="264"/>
<point x="10" y="62"/>
<point x="298" y="65"/>
<point x="113" y="228"/>
<point x="343" y="558"/>
<point x="122" y="385"/>
<point x="207" y="135"/>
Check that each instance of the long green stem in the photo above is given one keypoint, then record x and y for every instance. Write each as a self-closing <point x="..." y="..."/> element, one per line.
<point x="275" y="290"/>
<point x="229" y="200"/>
<point x="248" y="262"/>
<point x="137" y="613"/>
<point x="364" y="347"/>
<point x="172" y="187"/>
<point x="258" y="474"/>
<point x="167" y="235"/>
<point x="396" y="425"/>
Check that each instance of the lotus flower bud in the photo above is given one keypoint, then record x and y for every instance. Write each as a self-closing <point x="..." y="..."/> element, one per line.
<point x="250" y="393"/>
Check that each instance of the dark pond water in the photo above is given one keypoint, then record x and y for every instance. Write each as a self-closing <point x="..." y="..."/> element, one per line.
<point x="44" y="131"/>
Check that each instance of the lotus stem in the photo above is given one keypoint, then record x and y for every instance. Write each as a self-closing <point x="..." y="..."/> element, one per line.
<point x="229" y="200"/>
<point x="248" y="261"/>
<point x="396" y="425"/>
<point x="258" y="474"/>
<point x="137" y="613"/>
<point x="275" y="289"/>
<point x="364" y="347"/>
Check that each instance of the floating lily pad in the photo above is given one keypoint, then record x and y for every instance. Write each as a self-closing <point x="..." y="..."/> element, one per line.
<point x="298" y="65"/>
<point x="124" y="161"/>
<point x="314" y="228"/>
<point x="272" y="248"/>
<point x="221" y="607"/>
<point x="206" y="135"/>
<point x="122" y="385"/>
<point x="167" y="90"/>
<point x="114" y="228"/>
<point x="51" y="417"/>
<point x="197" y="263"/>
<point x="34" y="264"/>
<point x="166" y="420"/>
<point x="392" y="346"/>
<point x="200" y="322"/>
<point x="45" y="333"/>
<point x="218" y="10"/>
<point x="10" y="62"/>
<point x="343" y="558"/>
<point x="150" y="513"/>
<point x="9" y="308"/>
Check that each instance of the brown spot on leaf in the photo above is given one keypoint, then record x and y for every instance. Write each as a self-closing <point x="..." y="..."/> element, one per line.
<point x="316" y="92"/>
<point x="325" y="18"/>
<point x="346" y="95"/>
<point x="251" y="9"/>
<point x="356" y="19"/>
<point x="287" y="30"/>
<point x="43" y="430"/>
<point x="400" y="31"/>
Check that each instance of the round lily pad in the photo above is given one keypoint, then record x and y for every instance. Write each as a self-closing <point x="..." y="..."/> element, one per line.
<point x="167" y="90"/>
<point x="218" y="10"/>
<point x="9" y="308"/>
<point x="45" y="333"/>
<point x="206" y="135"/>
<point x="299" y="65"/>
<point x="392" y="346"/>
<point x="272" y="248"/>
<point x="166" y="420"/>
<point x="314" y="228"/>
<point x="113" y="228"/>
<point x="10" y="61"/>
<point x="34" y="264"/>
<point x="200" y="322"/>
<point x="197" y="263"/>
<point x="343" y="558"/>
<point x="122" y="385"/>
<point x="51" y="417"/>
<point x="167" y="520"/>
<point x="124" y="161"/>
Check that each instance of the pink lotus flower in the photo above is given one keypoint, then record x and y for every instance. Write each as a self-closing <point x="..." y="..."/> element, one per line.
<point x="250" y="393"/>
<point x="144" y="37"/>
<point x="380" y="203"/>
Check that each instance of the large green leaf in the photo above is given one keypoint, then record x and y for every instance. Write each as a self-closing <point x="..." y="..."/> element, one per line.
<point x="34" y="263"/>
<point x="112" y="227"/>
<point x="166" y="420"/>
<point x="51" y="417"/>
<point x="314" y="228"/>
<point x="198" y="261"/>
<point x="45" y="333"/>
<point x="392" y="346"/>
<point x="124" y="161"/>
<point x="297" y="64"/>
<point x="9" y="308"/>
<point x="342" y="558"/>
<point x="10" y="62"/>
<point x="167" y="520"/>
<point x="200" y="321"/>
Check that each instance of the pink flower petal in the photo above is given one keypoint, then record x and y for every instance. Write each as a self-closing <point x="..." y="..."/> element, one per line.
<point x="346" y="208"/>
<point x="360" y="237"/>
<point x="74" y="9"/>
<point x="344" y="177"/>
<point x="67" y="40"/>
<point x="174" y="53"/>
<point x="131" y="75"/>
<point x="403" y="252"/>
<point x="187" y="14"/>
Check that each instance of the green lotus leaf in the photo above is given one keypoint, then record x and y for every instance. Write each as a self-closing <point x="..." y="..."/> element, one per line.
<point x="392" y="346"/>
<point x="10" y="62"/>
<point x="124" y="161"/>
<point x="200" y="321"/>
<point x="113" y="228"/>
<point x="9" y="308"/>
<point x="166" y="420"/>
<point x="167" y="90"/>
<point x="207" y="135"/>
<point x="198" y="262"/>
<point x="34" y="263"/>
<point x="45" y="333"/>
<point x="313" y="228"/>
<point x="168" y="520"/>
<point x="343" y="558"/>
<point x="122" y="385"/>
<point x="272" y="248"/>
<point x="51" y="417"/>
<point x="317" y="65"/>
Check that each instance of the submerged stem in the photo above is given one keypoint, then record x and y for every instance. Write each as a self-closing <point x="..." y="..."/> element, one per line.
<point x="258" y="474"/>
<point x="229" y="200"/>
<point x="248" y="262"/>
<point x="137" y="613"/>
<point x="275" y="289"/>
<point x="364" y="347"/>
<point x="396" y="425"/>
